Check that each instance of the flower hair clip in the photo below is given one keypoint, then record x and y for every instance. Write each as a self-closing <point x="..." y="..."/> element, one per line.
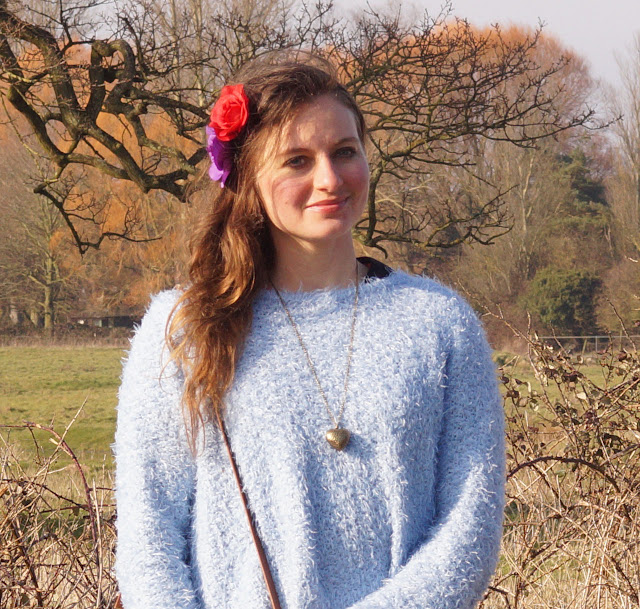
<point x="229" y="115"/>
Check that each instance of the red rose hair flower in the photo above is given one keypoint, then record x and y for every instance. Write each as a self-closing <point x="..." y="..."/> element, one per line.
<point x="230" y="113"/>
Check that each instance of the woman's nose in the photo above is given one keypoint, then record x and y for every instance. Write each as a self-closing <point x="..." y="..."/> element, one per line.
<point x="326" y="175"/>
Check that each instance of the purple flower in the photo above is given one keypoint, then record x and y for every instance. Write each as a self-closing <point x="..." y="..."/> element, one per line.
<point x="221" y="156"/>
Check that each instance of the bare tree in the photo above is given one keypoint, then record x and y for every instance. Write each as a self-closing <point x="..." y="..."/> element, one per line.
<point x="624" y="188"/>
<point x="534" y="199"/>
<point x="427" y="89"/>
<point x="431" y="91"/>
<point x="622" y="282"/>
<point x="36" y="258"/>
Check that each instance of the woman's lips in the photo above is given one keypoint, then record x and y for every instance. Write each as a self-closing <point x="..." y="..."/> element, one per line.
<point x="327" y="205"/>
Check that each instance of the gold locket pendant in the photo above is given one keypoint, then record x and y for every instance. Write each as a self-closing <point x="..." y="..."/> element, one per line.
<point x="338" y="437"/>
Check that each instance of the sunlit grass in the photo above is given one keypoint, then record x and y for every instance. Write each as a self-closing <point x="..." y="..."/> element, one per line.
<point x="48" y="385"/>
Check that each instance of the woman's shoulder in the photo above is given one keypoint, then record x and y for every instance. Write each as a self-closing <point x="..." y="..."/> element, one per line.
<point x="420" y="292"/>
<point x="159" y="308"/>
<point x="150" y="334"/>
<point x="426" y="306"/>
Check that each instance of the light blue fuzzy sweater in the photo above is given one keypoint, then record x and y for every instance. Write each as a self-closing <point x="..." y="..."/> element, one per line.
<point x="408" y="516"/>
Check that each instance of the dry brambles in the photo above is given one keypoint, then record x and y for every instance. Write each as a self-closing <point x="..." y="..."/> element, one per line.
<point x="572" y="525"/>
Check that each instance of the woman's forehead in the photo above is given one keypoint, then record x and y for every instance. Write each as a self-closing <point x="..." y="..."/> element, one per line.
<point x="321" y="120"/>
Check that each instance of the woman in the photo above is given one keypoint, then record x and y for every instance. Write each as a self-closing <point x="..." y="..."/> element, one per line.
<point x="360" y="403"/>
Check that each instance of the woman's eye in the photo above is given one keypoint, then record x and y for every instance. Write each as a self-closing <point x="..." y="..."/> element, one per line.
<point x="295" y="162"/>
<point x="347" y="151"/>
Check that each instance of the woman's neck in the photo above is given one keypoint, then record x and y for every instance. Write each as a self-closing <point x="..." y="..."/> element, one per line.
<point x="316" y="268"/>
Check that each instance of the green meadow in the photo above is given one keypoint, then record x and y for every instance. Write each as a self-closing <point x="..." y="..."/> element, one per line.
<point x="49" y="385"/>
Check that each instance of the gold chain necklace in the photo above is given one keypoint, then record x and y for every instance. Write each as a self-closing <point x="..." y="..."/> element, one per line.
<point x="338" y="437"/>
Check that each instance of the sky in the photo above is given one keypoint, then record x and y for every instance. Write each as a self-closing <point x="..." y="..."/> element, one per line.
<point x="595" y="29"/>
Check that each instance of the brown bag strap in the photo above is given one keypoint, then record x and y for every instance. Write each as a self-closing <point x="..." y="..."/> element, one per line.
<point x="264" y="563"/>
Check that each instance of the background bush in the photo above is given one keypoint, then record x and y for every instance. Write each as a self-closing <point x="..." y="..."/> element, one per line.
<point x="564" y="300"/>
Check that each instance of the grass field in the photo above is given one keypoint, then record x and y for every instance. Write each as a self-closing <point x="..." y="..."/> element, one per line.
<point x="48" y="385"/>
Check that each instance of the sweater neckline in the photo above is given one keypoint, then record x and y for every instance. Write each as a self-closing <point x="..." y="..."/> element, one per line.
<point x="377" y="273"/>
<point x="376" y="270"/>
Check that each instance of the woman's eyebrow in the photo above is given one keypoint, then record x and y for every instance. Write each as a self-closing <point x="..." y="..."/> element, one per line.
<point x="299" y="149"/>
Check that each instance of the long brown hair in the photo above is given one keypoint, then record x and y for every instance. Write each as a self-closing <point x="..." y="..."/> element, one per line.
<point x="232" y="254"/>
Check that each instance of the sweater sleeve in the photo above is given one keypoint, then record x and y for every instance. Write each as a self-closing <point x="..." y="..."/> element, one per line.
<point x="155" y="475"/>
<point x="452" y="566"/>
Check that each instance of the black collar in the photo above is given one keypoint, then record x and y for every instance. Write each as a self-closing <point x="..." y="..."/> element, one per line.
<point x="375" y="268"/>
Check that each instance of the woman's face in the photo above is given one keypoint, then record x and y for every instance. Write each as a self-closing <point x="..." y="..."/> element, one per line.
<point x="315" y="182"/>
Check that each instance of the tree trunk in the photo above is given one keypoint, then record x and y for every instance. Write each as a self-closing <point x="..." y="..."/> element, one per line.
<point x="14" y="314"/>
<point x="48" y="304"/>
<point x="34" y="316"/>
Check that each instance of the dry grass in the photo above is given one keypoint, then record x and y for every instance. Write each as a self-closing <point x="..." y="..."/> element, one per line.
<point x="572" y="529"/>
<point x="56" y="531"/>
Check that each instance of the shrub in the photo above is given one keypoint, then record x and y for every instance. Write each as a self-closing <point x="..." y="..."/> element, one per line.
<point x="572" y="523"/>
<point x="56" y="532"/>
<point x="564" y="300"/>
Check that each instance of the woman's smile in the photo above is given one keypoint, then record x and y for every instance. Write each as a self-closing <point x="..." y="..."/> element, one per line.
<point x="328" y="205"/>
